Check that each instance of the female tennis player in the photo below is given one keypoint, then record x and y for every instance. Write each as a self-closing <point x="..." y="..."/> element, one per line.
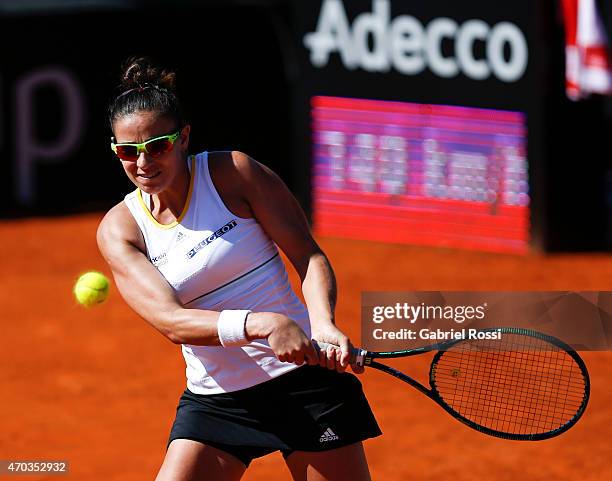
<point x="193" y="250"/>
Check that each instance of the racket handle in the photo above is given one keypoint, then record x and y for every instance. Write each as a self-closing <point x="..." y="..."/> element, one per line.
<point x="357" y="357"/>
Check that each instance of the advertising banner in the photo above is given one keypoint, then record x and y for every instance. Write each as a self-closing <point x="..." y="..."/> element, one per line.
<point x="422" y="120"/>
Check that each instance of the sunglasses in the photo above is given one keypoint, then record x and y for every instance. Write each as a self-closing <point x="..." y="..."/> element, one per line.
<point x="154" y="147"/>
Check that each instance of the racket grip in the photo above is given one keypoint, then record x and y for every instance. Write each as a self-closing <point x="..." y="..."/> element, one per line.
<point x="357" y="357"/>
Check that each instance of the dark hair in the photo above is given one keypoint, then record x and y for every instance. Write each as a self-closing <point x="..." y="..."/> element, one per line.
<point x="146" y="88"/>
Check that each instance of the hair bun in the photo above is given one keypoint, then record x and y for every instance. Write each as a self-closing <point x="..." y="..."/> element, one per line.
<point x="145" y="87"/>
<point x="139" y="71"/>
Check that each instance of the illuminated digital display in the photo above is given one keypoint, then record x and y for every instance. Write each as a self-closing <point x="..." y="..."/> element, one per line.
<point x="420" y="174"/>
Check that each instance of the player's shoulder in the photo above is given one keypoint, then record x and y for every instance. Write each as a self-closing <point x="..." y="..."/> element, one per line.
<point x="235" y="173"/>
<point x="230" y="160"/>
<point x="118" y="224"/>
<point x="232" y="168"/>
<point x="242" y="166"/>
<point x="115" y="215"/>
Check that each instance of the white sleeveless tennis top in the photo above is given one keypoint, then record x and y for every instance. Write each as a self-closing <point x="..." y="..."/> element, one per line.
<point x="216" y="260"/>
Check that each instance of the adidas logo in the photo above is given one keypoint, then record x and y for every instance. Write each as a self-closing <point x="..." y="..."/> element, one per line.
<point x="328" y="435"/>
<point x="180" y="236"/>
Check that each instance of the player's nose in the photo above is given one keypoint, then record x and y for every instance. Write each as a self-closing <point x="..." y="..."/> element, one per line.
<point x="143" y="159"/>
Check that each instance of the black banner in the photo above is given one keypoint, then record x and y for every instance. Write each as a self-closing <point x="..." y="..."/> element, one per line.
<point x="54" y="92"/>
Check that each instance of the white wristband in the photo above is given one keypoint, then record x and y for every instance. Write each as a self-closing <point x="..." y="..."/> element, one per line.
<point x="231" y="328"/>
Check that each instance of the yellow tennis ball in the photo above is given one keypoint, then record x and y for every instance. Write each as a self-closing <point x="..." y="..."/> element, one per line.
<point x="91" y="289"/>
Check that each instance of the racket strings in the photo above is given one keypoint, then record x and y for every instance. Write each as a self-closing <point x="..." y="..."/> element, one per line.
<point x="516" y="385"/>
<point x="515" y="403"/>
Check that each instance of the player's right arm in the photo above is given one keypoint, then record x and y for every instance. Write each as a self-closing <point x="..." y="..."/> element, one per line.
<point x="144" y="288"/>
<point x="147" y="292"/>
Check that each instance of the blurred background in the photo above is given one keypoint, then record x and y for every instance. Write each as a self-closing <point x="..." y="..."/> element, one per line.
<point x="440" y="145"/>
<point x="438" y="123"/>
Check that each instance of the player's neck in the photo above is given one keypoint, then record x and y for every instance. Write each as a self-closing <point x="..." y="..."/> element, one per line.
<point x="168" y="205"/>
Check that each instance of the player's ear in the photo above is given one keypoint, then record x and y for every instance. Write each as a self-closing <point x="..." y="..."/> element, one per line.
<point x="184" y="138"/>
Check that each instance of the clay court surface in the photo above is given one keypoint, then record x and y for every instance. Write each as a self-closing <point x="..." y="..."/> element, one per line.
<point x="99" y="387"/>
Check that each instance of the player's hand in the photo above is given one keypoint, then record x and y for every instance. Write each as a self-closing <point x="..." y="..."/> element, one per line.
<point x="335" y="357"/>
<point x="288" y="340"/>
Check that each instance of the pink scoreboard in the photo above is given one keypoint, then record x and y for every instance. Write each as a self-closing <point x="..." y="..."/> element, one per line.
<point x="434" y="175"/>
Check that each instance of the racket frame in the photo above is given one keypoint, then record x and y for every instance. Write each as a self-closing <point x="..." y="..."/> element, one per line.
<point x="362" y="357"/>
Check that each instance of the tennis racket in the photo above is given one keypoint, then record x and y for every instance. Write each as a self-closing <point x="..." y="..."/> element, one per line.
<point x="521" y="385"/>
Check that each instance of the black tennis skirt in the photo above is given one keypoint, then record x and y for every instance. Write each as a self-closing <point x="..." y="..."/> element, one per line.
<point x="308" y="409"/>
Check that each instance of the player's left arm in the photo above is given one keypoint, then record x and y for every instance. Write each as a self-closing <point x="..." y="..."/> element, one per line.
<point x="281" y="216"/>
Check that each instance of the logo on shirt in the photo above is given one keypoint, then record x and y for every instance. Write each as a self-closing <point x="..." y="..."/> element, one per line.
<point x="180" y="236"/>
<point x="215" y="235"/>
<point x="159" y="260"/>
<point x="328" y="435"/>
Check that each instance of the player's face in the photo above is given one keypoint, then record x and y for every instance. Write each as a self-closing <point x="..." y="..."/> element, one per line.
<point x="155" y="169"/>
